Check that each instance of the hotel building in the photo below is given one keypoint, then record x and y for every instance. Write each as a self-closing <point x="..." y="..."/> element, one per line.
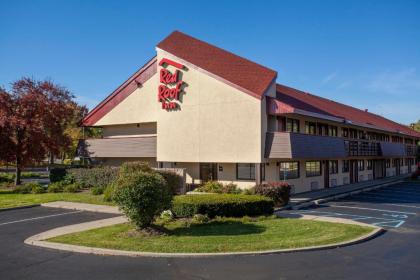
<point x="222" y="117"/>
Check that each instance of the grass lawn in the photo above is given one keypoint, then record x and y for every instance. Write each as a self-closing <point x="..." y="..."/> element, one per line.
<point x="8" y="199"/>
<point x="220" y="235"/>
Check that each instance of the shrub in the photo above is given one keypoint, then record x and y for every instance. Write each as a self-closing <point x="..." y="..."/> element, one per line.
<point x="173" y="180"/>
<point x="249" y="191"/>
<point x="227" y="205"/>
<point x="30" y="175"/>
<point x="97" y="190"/>
<point x="109" y="192"/>
<point x="6" y="177"/>
<point x="211" y="187"/>
<point x="55" y="187"/>
<point x="200" y="219"/>
<point x="72" y="188"/>
<point x="231" y="188"/>
<point x="93" y="177"/>
<point x="129" y="168"/>
<point x="167" y="216"/>
<point x="57" y="174"/>
<point x="22" y="189"/>
<point x="278" y="191"/>
<point x="142" y="196"/>
<point x="36" y="188"/>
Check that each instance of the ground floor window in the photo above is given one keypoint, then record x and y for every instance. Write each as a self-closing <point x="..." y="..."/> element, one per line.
<point x="313" y="168"/>
<point x="361" y="164"/>
<point x="246" y="171"/>
<point x="289" y="170"/>
<point x="388" y="163"/>
<point x="346" y="166"/>
<point x="369" y="165"/>
<point x="333" y="166"/>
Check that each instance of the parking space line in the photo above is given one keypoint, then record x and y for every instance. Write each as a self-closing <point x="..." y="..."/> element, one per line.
<point x="344" y="214"/>
<point x="41" y="217"/>
<point x="372" y="209"/>
<point x="401" y="205"/>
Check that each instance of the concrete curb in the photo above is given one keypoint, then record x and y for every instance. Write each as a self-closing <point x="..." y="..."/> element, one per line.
<point x="19" y="207"/>
<point x="39" y="240"/>
<point x="338" y="196"/>
<point x="83" y="207"/>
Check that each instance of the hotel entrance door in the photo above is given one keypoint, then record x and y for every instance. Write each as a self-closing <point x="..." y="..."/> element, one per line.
<point x="354" y="172"/>
<point x="208" y="172"/>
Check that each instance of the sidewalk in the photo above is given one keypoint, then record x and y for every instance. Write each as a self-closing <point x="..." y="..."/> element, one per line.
<point x="314" y="197"/>
<point x="83" y="206"/>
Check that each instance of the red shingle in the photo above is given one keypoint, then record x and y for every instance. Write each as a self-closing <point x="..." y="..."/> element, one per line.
<point x="312" y="103"/>
<point x="239" y="71"/>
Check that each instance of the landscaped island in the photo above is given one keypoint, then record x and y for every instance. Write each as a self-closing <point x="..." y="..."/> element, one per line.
<point x="219" y="235"/>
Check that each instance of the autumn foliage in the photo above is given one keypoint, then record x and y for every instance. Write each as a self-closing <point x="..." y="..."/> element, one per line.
<point x="34" y="116"/>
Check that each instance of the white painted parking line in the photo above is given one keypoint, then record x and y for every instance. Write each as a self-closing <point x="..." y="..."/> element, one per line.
<point x="402" y="205"/>
<point x="38" y="218"/>
<point x="372" y="209"/>
<point x="394" y="223"/>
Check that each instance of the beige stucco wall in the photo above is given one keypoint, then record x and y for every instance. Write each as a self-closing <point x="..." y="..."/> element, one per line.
<point x="139" y="107"/>
<point x="216" y="122"/>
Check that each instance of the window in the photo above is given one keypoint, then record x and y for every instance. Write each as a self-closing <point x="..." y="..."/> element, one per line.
<point x="361" y="164"/>
<point x="292" y="125"/>
<point x="322" y="129"/>
<point x="388" y="163"/>
<point x="333" y="166"/>
<point x="310" y="128"/>
<point x="313" y="168"/>
<point x="289" y="170"/>
<point x="369" y="165"/>
<point x="394" y="162"/>
<point x="346" y="166"/>
<point x="245" y="171"/>
<point x="332" y="131"/>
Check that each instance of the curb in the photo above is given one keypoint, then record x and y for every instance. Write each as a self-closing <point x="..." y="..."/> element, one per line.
<point x="337" y="196"/>
<point x="19" y="207"/>
<point x="39" y="240"/>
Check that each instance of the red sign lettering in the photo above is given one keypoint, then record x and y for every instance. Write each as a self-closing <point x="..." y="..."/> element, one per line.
<point x="171" y="85"/>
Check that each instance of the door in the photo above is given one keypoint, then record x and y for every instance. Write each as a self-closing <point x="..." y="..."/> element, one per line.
<point x="326" y="174"/>
<point x="208" y="172"/>
<point x="354" y="171"/>
<point x="397" y="167"/>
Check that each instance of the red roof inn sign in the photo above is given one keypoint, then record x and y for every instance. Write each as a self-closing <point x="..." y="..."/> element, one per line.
<point x="170" y="85"/>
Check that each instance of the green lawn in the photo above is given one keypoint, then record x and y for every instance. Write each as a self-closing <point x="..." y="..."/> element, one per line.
<point x="8" y="199"/>
<point x="223" y="235"/>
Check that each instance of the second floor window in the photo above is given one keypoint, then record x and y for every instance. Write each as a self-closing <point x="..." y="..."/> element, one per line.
<point x="332" y="131"/>
<point x="313" y="168"/>
<point x="289" y="170"/>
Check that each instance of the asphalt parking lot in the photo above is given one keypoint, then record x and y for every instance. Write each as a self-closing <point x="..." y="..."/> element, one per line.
<point x="389" y="207"/>
<point x="393" y="255"/>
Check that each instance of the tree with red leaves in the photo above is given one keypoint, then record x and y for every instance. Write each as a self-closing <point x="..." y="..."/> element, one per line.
<point x="33" y="118"/>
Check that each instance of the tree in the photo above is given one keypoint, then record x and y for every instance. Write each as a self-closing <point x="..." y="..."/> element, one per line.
<point x="33" y="117"/>
<point x="416" y="126"/>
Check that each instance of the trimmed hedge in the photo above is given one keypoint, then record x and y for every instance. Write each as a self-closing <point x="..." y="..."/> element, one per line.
<point x="99" y="177"/>
<point x="225" y="205"/>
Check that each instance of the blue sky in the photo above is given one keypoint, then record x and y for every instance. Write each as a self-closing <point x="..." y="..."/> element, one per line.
<point x="363" y="53"/>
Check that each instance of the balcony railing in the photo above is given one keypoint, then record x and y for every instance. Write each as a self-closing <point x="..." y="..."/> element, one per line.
<point x="362" y="148"/>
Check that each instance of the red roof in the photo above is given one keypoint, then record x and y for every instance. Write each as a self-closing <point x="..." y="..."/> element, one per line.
<point x="245" y="74"/>
<point x="308" y="102"/>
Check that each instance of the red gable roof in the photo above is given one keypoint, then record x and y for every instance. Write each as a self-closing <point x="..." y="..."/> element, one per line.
<point x="248" y="75"/>
<point x="124" y="90"/>
<point x="308" y="102"/>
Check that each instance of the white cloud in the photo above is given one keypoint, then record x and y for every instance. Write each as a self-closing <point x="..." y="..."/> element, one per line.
<point x="406" y="81"/>
<point x="329" y="78"/>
